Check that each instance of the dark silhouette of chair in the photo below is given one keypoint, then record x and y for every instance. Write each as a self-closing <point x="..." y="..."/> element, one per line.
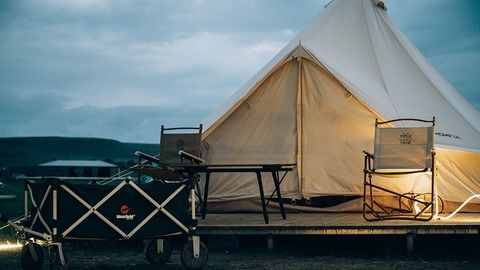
<point x="177" y="146"/>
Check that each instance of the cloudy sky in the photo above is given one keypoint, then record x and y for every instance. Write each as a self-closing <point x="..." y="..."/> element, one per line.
<point x="120" y="69"/>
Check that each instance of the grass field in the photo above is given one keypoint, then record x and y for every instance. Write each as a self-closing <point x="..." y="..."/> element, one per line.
<point x="11" y="208"/>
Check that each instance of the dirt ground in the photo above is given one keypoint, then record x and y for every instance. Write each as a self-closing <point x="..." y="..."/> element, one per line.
<point x="297" y="254"/>
<point x="131" y="259"/>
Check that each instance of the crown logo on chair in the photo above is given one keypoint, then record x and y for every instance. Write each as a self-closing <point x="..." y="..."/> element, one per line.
<point x="180" y="144"/>
<point x="405" y="138"/>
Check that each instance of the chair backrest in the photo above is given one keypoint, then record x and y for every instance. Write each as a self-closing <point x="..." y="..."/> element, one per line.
<point x="404" y="147"/>
<point x="173" y="140"/>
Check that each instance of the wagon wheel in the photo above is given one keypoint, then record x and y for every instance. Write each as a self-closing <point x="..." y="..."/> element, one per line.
<point x="188" y="259"/>
<point x="54" y="261"/>
<point x="31" y="256"/>
<point x="158" y="251"/>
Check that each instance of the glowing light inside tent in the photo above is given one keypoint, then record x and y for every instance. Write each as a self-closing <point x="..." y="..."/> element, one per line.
<point x="10" y="246"/>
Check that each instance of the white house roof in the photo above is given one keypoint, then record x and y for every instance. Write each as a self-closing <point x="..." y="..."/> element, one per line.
<point x="78" y="163"/>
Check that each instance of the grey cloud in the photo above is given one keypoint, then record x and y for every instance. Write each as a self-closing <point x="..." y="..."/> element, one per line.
<point x="18" y="113"/>
<point x="44" y="116"/>
<point x="122" y="68"/>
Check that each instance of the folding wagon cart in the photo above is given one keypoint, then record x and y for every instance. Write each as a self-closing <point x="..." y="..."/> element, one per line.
<point x="57" y="211"/>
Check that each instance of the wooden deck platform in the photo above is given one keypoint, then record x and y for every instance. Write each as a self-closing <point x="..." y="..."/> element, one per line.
<point x="331" y="224"/>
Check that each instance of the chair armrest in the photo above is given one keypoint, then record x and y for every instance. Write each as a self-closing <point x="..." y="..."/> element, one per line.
<point x="191" y="157"/>
<point x="368" y="154"/>
<point x="147" y="157"/>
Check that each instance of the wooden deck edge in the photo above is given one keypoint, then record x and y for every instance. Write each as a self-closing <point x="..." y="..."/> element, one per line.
<point x="336" y="231"/>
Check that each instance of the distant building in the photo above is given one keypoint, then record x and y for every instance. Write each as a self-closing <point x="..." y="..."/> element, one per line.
<point x="76" y="168"/>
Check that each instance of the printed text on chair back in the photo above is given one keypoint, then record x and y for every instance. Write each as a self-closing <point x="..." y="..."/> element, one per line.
<point x="406" y="148"/>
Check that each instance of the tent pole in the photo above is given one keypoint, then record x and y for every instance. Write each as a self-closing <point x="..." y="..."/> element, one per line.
<point x="299" y="112"/>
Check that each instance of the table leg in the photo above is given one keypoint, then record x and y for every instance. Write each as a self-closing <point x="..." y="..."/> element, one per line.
<point x="205" y="196"/>
<point x="262" y="197"/>
<point x="279" y="194"/>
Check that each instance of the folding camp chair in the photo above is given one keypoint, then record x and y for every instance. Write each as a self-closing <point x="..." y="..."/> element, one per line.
<point x="400" y="151"/>
<point x="172" y="142"/>
<point x="177" y="149"/>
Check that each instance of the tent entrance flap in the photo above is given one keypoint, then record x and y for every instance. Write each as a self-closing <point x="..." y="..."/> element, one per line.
<point x="335" y="127"/>
<point x="262" y="130"/>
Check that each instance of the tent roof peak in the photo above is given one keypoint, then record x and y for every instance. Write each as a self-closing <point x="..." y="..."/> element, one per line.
<point x="358" y="43"/>
<point x="378" y="3"/>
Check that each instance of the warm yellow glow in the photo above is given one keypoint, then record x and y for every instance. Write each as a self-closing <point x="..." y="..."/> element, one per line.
<point x="10" y="246"/>
<point x="474" y="196"/>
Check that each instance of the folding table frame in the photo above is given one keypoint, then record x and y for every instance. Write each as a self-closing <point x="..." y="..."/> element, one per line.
<point x="273" y="169"/>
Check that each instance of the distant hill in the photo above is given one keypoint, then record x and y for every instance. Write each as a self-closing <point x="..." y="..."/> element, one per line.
<point x="30" y="151"/>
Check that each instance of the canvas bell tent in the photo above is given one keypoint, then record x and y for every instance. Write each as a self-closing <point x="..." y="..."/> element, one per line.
<point x="315" y="104"/>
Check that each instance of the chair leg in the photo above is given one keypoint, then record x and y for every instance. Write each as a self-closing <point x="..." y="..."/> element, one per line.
<point x="364" y="193"/>
<point x="205" y="195"/>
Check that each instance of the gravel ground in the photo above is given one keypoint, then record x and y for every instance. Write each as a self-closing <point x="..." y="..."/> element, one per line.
<point x="244" y="260"/>
<point x="131" y="257"/>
